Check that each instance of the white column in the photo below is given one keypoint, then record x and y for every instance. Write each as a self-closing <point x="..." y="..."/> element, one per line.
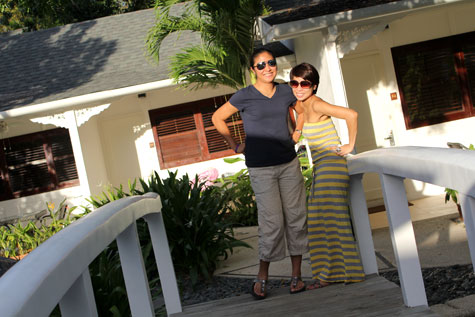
<point x="361" y="225"/>
<point x="79" y="299"/>
<point x="135" y="276"/>
<point x="336" y="77"/>
<point x="77" y="151"/>
<point x="404" y="241"/>
<point x="164" y="262"/>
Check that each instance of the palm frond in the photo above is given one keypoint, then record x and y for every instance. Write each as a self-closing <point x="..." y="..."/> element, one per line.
<point x="227" y="30"/>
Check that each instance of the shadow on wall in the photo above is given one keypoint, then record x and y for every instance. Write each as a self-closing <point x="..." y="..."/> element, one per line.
<point x="49" y="62"/>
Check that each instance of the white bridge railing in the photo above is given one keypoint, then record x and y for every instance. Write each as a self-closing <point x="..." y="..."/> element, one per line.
<point x="57" y="271"/>
<point x="452" y="168"/>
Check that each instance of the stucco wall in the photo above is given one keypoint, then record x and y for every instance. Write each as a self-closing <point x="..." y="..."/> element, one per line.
<point x="387" y="114"/>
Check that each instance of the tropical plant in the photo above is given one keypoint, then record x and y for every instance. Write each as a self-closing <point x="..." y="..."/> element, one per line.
<point x="452" y="194"/>
<point x="19" y="239"/>
<point x="239" y="196"/>
<point x="228" y="33"/>
<point x="194" y="217"/>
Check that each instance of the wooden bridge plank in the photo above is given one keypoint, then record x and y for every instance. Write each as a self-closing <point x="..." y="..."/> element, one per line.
<point x="374" y="297"/>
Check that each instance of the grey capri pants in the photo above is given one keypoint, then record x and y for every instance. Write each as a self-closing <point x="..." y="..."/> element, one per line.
<point x="282" y="211"/>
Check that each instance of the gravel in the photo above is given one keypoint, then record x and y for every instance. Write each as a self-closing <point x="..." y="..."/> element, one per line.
<point x="443" y="283"/>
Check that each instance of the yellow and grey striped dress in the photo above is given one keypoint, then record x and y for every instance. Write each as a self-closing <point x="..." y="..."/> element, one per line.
<point x="333" y="253"/>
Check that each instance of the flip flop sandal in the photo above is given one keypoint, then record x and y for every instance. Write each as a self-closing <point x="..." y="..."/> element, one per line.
<point x="294" y="281"/>
<point x="316" y="284"/>
<point x="263" y="289"/>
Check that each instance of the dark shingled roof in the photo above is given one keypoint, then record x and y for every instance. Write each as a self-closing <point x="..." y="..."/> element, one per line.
<point x="289" y="11"/>
<point x="82" y="58"/>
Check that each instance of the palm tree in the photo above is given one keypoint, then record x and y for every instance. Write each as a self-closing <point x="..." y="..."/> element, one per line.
<point x="228" y="33"/>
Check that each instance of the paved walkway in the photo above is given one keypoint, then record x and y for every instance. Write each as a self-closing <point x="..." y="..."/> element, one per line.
<point x="441" y="241"/>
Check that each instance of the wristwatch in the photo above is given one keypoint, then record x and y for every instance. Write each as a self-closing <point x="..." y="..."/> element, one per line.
<point x="299" y="131"/>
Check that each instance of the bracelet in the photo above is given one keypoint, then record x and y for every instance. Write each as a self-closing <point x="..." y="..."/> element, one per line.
<point x="298" y="130"/>
<point x="237" y="147"/>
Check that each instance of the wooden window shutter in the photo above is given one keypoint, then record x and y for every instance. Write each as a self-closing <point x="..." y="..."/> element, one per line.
<point x="27" y="166"/>
<point x="429" y="85"/>
<point x="177" y="138"/>
<point x="65" y="165"/>
<point x="468" y="49"/>
<point x="37" y="163"/>
<point x="216" y="143"/>
<point x="185" y="134"/>
<point x="432" y="80"/>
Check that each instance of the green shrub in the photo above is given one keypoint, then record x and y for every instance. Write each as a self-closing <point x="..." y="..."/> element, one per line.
<point x="18" y="239"/>
<point x="193" y="215"/>
<point x="239" y="197"/>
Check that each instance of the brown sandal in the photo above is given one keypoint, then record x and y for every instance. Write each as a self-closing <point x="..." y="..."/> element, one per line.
<point x="294" y="281"/>
<point x="317" y="284"/>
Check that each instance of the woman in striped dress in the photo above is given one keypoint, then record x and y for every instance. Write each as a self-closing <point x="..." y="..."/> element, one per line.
<point x="333" y="252"/>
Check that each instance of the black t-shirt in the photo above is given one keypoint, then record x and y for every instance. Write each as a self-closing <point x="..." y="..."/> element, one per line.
<point x="268" y="140"/>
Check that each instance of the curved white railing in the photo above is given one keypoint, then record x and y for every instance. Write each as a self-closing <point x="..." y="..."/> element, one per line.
<point x="452" y="168"/>
<point x="57" y="271"/>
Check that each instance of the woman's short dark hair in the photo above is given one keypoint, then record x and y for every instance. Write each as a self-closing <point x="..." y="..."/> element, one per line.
<point x="258" y="52"/>
<point x="307" y="72"/>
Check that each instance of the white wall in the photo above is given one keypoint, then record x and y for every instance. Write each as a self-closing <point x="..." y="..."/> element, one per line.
<point x="386" y="114"/>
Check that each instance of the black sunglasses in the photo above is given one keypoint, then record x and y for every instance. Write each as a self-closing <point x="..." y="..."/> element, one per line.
<point x="262" y="65"/>
<point x="304" y="84"/>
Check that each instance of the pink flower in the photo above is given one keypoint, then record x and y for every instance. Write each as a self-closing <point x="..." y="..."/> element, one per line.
<point x="208" y="177"/>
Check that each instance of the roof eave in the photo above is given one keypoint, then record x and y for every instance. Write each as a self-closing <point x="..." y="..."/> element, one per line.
<point x="287" y="30"/>
<point x="87" y="99"/>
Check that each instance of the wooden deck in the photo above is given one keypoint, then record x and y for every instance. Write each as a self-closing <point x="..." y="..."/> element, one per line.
<point x="374" y="297"/>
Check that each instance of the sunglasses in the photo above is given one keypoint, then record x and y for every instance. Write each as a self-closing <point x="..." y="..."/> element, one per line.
<point x="262" y="65"/>
<point x="304" y="84"/>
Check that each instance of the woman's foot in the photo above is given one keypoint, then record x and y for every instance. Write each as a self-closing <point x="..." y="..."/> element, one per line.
<point x="259" y="289"/>
<point x="317" y="284"/>
<point x="296" y="285"/>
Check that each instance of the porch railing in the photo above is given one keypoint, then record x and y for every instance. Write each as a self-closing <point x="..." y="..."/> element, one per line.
<point x="452" y="168"/>
<point x="57" y="271"/>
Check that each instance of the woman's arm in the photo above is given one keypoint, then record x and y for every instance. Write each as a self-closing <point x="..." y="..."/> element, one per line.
<point x="219" y="120"/>
<point x="300" y="121"/>
<point x="349" y="115"/>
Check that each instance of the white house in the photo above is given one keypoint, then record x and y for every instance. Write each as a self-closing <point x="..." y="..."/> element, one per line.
<point x="83" y="106"/>
<point x="407" y="67"/>
<point x="125" y="119"/>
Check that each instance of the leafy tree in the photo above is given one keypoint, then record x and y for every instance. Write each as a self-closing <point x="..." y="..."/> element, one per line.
<point x="228" y="33"/>
<point x="40" y="14"/>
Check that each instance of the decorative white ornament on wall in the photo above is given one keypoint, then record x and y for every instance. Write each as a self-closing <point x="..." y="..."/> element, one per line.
<point x="81" y="115"/>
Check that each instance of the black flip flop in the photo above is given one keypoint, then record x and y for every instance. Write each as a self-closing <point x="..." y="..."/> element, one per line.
<point x="263" y="289"/>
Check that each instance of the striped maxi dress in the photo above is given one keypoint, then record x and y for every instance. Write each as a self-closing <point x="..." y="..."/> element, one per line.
<point x="333" y="253"/>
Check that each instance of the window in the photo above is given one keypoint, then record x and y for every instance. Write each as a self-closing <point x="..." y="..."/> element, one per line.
<point x="184" y="134"/>
<point x="36" y="163"/>
<point x="436" y="79"/>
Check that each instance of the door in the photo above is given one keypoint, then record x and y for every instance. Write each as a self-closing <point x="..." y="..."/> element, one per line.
<point x="368" y="95"/>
